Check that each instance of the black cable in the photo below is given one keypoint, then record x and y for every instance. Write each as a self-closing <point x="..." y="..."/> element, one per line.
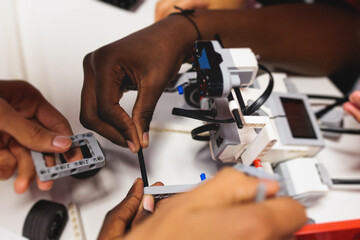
<point x="323" y="97"/>
<point x="322" y="112"/>
<point x="186" y="13"/>
<point x="236" y="113"/>
<point x="345" y="181"/>
<point x="240" y="99"/>
<point x="340" y="130"/>
<point x="195" y="133"/>
<point x="264" y="96"/>
<point x="143" y="167"/>
<point x="204" y="115"/>
<point x="338" y="100"/>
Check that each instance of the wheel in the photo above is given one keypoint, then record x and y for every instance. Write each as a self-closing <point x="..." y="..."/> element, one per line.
<point x="192" y="95"/>
<point x="45" y="221"/>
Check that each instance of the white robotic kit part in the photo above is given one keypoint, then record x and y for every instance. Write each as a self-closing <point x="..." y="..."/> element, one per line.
<point x="241" y="66"/>
<point x="76" y="223"/>
<point x="160" y="192"/>
<point x="277" y="127"/>
<point x="296" y="126"/>
<point x="96" y="159"/>
<point x="334" y="118"/>
<point x="304" y="179"/>
<point x="231" y="144"/>
<point x="288" y="129"/>
<point x="221" y="69"/>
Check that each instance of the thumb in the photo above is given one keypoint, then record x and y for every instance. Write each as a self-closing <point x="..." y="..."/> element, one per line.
<point x="146" y="207"/>
<point x="29" y="134"/>
<point x="146" y="101"/>
<point x="119" y="218"/>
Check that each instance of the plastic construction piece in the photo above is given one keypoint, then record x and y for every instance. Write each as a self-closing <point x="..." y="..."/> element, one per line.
<point x="202" y="176"/>
<point x="45" y="220"/>
<point x="192" y="95"/>
<point x="143" y="168"/>
<point x="180" y="90"/>
<point x="332" y="230"/>
<point x="221" y="69"/>
<point x="261" y="192"/>
<point x="257" y="163"/>
<point x="76" y="223"/>
<point x="254" y="172"/>
<point x="160" y="192"/>
<point x="93" y="159"/>
<point x="306" y="190"/>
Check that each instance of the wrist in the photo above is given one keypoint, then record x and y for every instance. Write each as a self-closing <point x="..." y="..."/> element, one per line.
<point x="184" y="35"/>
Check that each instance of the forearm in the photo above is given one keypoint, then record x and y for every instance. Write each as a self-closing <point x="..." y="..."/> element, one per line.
<point x="306" y="39"/>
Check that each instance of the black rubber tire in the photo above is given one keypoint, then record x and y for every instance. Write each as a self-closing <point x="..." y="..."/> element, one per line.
<point x="45" y="221"/>
<point x="192" y="95"/>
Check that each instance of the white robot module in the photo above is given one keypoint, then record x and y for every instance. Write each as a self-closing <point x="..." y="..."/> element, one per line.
<point x="275" y="132"/>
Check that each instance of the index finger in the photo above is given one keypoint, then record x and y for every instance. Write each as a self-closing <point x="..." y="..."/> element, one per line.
<point x="88" y="112"/>
<point x="108" y="78"/>
<point x="29" y="134"/>
<point x="49" y="117"/>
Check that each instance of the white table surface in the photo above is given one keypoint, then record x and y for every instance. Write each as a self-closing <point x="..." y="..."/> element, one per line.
<point x="55" y="36"/>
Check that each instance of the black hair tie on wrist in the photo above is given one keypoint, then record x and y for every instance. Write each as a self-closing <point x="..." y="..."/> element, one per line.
<point x="186" y="13"/>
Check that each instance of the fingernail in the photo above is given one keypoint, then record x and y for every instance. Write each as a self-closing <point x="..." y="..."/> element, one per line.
<point x="346" y="107"/>
<point x="45" y="186"/>
<point x="131" y="146"/>
<point x="61" y="142"/>
<point x="21" y="185"/>
<point x="146" y="138"/>
<point x="148" y="203"/>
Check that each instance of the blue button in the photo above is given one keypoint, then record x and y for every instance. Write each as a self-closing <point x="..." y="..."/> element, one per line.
<point x="180" y="90"/>
<point x="202" y="176"/>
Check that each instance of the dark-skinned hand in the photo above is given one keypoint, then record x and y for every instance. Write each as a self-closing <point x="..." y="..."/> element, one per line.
<point x="148" y="59"/>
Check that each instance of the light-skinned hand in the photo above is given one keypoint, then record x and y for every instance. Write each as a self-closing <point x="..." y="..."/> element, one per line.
<point x="28" y="122"/>
<point x="353" y="105"/>
<point x="165" y="7"/>
<point x="223" y="207"/>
